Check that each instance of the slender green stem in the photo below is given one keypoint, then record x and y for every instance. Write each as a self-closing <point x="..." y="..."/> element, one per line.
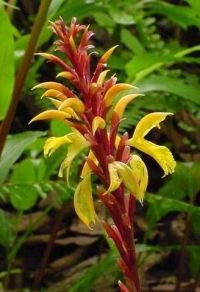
<point x="23" y="70"/>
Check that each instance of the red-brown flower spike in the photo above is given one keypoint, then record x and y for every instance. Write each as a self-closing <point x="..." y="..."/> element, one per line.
<point x="89" y="107"/>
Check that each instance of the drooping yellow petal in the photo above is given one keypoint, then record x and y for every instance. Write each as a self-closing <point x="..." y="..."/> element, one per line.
<point x="122" y="103"/>
<point x="128" y="177"/>
<point x="115" y="179"/>
<point x="65" y="74"/>
<point x="86" y="169"/>
<point x="73" y="102"/>
<point x="71" y="112"/>
<point x="141" y="173"/>
<point x="160" y="153"/>
<point x="107" y="55"/>
<point x="83" y="202"/>
<point x="54" y="93"/>
<point x="53" y="143"/>
<point x="77" y="145"/>
<point x="98" y="123"/>
<point x="102" y="77"/>
<point x="114" y="90"/>
<point x="51" y="114"/>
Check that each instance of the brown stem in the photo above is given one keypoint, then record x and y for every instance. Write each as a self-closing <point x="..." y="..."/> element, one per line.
<point x="183" y="250"/>
<point x="47" y="252"/>
<point x="23" y="70"/>
<point x="10" y="8"/>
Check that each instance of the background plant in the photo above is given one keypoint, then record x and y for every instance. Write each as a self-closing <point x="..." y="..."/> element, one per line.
<point x="159" y="52"/>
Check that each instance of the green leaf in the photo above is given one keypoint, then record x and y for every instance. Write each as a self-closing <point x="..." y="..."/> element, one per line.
<point x="24" y="172"/>
<point x="182" y="15"/>
<point x="176" y="86"/>
<point x="131" y="42"/>
<point x="179" y="184"/>
<point x="6" y="233"/>
<point x="6" y="63"/>
<point x="194" y="263"/>
<point x="14" y="147"/>
<point x="23" y="197"/>
<point x="59" y="129"/>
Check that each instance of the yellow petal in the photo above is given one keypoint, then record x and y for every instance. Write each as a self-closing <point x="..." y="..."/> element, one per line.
<point x="53" y="143"/>
<point x="141" y="173"/>
<point x="115" y="180"/>
<point x="51" y="85"/>
<point x="160" y="153"/>
<point x="107" y="55"/>
<point x="86" y="169"/>
<point x="54" y="93"/>
<point x="71" y="112"/>
<point x="65" y="74"/>
<point x="114" y="90"/>
<point x="98" y="123"/>
<point x="73" y="102"/>
<point x="102" y="77"/>
<point x="51" y="114"/>
<point x="122" y="103"/>
<point x="55" y="102"/>
<point x="147" y="123"/>
<point x="77" y="145"/>
<point x="83" y="202"/>
<point x="128" y="177"/>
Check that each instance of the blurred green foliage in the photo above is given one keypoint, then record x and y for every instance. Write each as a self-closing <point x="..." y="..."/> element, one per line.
<point x="159" y="52"/>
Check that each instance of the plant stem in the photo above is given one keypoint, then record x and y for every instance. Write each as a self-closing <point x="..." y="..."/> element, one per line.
<point x="23" y="70"/>
<point x="47" y="252"/>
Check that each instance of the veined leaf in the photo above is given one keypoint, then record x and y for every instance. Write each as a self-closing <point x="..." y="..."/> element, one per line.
<point x="176" y="86"/>
<point x="6" y="63"/>
<point x="15" y="145"/>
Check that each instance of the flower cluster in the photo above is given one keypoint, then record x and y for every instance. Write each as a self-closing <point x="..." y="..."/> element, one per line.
<point x="94" y="115"/>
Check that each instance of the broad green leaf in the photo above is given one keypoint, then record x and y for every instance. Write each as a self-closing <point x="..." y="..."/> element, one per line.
<point x="176" y="86"/>
<point x="6" y="63"/>
<point x="131" y="42"/>
<point x="181" y="15"/>
<point x="14" y="147"/>
<point x="6" y="233"/>
<point x="104" y="267"/>
<point x="194" y="263"/>
<point x="23" y="172"/>
<point x="58" y="128"/>
<point x="23" y="197"/>
<point x="179" y="184"/>
<point x="161" y="206"/>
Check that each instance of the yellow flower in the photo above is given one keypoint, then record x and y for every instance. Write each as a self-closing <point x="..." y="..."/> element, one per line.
<point x="160" y="153"/>
<point x="83" y="202"/>
<point x="134" y="176"/>
<point x="77" y="145"/>
<point x="53" y="143"/>
<point x="86" y="169"/>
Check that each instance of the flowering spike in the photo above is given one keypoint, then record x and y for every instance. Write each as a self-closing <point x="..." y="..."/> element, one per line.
<point x="98" y="123"/>
<point x="114" y="90"/>
<point x="51" y="114"/>
<point x="123" y="175"/>
<point x="107" y="55"/>
<point x="83" y="202"/>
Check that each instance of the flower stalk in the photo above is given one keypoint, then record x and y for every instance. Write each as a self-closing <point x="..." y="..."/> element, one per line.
<point x="94" y="116"/>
